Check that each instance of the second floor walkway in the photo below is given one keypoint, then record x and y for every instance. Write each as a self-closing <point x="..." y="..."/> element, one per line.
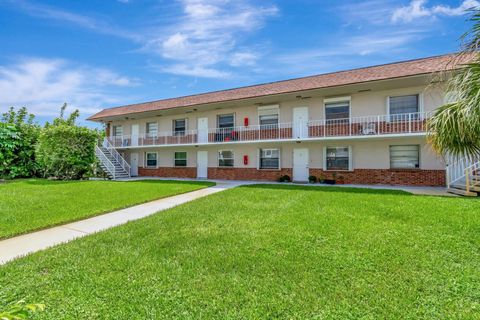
<point x="359" y="127"/>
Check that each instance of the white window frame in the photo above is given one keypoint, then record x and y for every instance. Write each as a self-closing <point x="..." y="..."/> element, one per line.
<point x="259" y="155"/>
<point x="401" y="145"/>
<point x="268" y="110"/>
<point x="186" y="159"/>
<point x="338" y="99"/>
<point x="420" y="102"/>
<point x="147" y="134"/>
<point x="146" y="163"/>
<point x="350" y="158"/>
<point x="218" y="158"/>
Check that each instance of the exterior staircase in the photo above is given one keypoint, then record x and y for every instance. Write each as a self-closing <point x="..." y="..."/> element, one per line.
<point x="463" y="177"/>
<point x="111" y="162"/>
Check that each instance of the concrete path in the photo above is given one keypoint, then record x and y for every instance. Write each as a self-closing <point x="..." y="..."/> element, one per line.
<point x="19" y="246"/>
<point x="425" y="191"/>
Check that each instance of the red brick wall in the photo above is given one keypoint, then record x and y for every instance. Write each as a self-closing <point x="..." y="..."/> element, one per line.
<point x="247" y="174"/>
<point x="174" y="172"/>
<point x="358" y="176"/>
<point x="413" y="177"/>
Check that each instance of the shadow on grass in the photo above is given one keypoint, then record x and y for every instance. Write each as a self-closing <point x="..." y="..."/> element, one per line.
<point x="317" y="188"/>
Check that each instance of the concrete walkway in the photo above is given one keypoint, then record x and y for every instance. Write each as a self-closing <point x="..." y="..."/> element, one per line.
<point x="19" y="246"/>
<point x="425" y="191"/>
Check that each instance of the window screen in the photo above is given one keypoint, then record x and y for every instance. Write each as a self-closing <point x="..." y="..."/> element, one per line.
<point x="269" y="159"/>
<point x="405" y="157"/>
<point x="338" y="158"/>
<point x="404" y="104"/>
<point x="225" y="158"/>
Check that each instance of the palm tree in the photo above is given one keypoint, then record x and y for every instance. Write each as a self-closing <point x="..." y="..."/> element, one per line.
<point x="454" y="129"/>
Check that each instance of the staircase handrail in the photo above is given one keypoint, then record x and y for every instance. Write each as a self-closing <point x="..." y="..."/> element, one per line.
<point x="123" y="163"/>
<point x="106" y="162"/>
<point x="456" y="170"/>
<point x="470" y="174"/>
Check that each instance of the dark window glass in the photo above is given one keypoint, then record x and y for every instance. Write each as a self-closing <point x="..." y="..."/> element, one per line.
<point x="151" y="159"/>
<point x="337" y="158"/>
<point x="225" y="121"/>
<point x="179" y="127"/>
<point x="269" y="159"/>
<point x="180" y="159"/>
<point x="337" y="110"/>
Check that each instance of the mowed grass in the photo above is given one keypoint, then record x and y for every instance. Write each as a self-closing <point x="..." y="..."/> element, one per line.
<point x="27" y="205"/>
<point x="268" y="252"/>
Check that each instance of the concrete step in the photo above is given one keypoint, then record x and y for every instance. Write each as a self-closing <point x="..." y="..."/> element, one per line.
<point x="462" y="192"/>
<point x="462" y="186"/>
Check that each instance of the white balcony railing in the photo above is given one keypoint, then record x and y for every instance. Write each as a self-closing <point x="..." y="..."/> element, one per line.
<point x="399" y="124"/>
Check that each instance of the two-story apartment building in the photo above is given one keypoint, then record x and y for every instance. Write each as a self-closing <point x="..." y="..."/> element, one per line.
<point x="363" y="126"/>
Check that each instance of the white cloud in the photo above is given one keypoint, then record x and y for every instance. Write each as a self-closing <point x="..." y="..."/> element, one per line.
<point x="43" y="85"/>
<point x="239" y="59"/>
<point x="458" y="11"/>
<point x="205" y="38"/>
<point x="195" y="71"/>
<point x="419" y="9"/>
<point x="98" y="25"/>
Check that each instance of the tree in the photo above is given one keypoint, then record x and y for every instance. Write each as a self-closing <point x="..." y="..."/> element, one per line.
<point x="66" y="151"/>
<point x="454" y="129"/>
<point x="18" y="137"/>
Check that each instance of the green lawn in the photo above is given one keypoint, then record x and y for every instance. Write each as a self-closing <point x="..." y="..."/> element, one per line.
<point x="27" y="205"/>
<point x="264" y="252"/>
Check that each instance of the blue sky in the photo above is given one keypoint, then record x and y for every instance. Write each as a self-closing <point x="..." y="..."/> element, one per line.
<point x="104" y="53"/>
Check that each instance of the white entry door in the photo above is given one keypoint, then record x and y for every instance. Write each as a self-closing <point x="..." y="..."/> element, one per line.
<point x="300" y="164"/>
<point x="202" y="164"/>
<point x="202" y="126"/>
<point x="134" y="136"/>
<point x="300" y="122"/>
<point x="134" y="164"/>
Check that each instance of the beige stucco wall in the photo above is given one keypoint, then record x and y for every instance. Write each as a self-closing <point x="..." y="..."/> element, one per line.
<point x="362" y="104"/>
<point x="369" y="153"/>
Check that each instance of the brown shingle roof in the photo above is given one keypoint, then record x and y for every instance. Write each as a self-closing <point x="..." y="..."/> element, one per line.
<point x="380" y="72"/>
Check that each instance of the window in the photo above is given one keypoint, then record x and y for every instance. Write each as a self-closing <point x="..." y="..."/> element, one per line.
<point x="225" y="158"/>
<point x="405" y="157"/>
<point x="337" y="158"/>
<point x="117" y="131"/>
<point x="269" y="159"/>
<point x="336" y="110"/>
<point x="268" y="116"/>
<point x="179" y="127"/>
<point x="152" y="129"/>
<point x="180" y="159"/>
<point x="403" y="104"/>
<point x="151" y="159"/>
<point x="225" y="121"/>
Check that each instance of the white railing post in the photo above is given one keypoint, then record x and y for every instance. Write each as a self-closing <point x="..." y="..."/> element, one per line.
<point x="409" y="123"/>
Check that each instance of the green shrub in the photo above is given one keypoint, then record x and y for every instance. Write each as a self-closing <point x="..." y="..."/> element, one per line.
<point x="312" y="179"/>
<point x="18" y="136"/>
<point x="284" y="178"/>
<point x="20" y="310"/>
<point x="66" y="151"/>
